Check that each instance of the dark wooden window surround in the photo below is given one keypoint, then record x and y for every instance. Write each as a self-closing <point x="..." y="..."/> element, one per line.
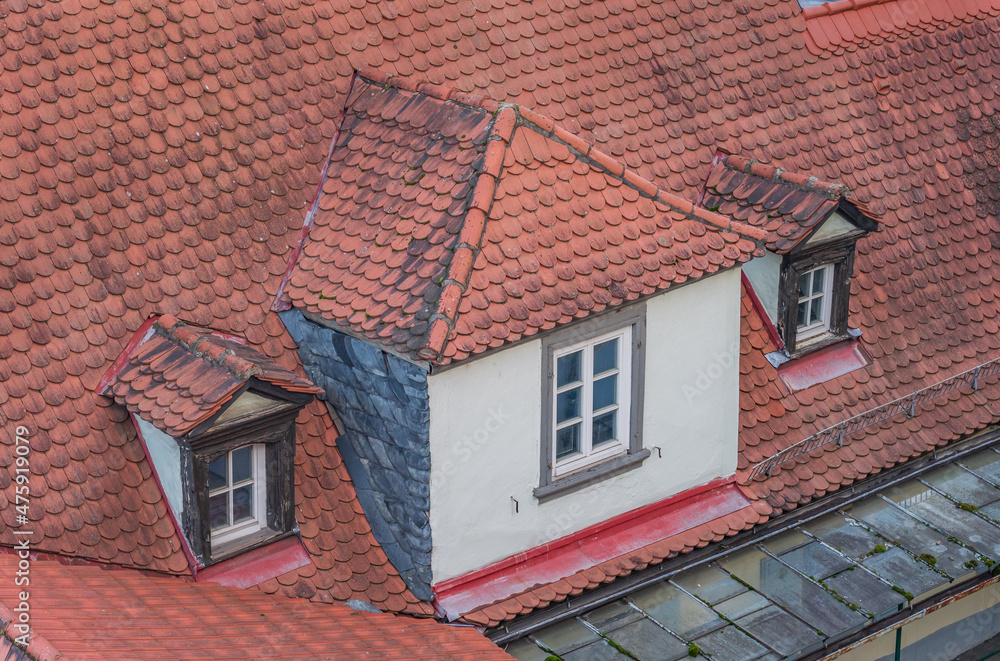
<point x="839" y="253"/>
<point x="274" y="427"/>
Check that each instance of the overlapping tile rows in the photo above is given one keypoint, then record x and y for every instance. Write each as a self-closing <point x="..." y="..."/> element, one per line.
<point x="158" y="158"/>
<point x="182" y="375"/>
<point x="851" y="24"/>
<point x="786" y="205"/>
<point x="87" y="612"/>
<point x="511" y="226"/>
<point x="924" y="286"/>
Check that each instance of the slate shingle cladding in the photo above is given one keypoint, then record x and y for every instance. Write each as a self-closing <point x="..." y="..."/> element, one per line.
<point x="382" y="401"/>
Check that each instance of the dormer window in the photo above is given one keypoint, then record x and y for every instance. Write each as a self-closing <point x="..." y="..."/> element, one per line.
<point x="803" y="280"/>
<point x="217" y="419"/>
<point x="592" y="401"/>
<point x="814" y="295"/>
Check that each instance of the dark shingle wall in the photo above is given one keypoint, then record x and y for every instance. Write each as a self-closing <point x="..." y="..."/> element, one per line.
<point x="382" y="401"/>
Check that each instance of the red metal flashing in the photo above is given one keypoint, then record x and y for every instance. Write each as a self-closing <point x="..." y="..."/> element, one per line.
<point x="719" y="155"/>
<point x="138" y="338"/>
<point x="765" y="318"/>
<point x="824" y="365"/>
<point x="586" y="548"/>
<point x="255" y="567"/>
<point x="280" y="305"/>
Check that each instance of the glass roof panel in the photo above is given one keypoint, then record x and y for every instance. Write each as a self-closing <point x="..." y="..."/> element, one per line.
<point x="708" y="582"/>
<point x="648" y="642"/>
<point x="867" y="592"/>
<point x="780" y="631"/>
<point x="913" y="535"/>
<point x="961" y="485"/>
<point x="677" y="611"/>
<point x="815" y="560"/>
<point x="842" y="534"/>
<point x="730" y="644"/>
<point x="565" y="636"/>
<point x="986" y="463"/>
<point x="901" y="569"/>
<point x="804" y="599"/>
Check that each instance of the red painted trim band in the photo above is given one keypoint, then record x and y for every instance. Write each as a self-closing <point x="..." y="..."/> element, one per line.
<point x="596" y="529"/>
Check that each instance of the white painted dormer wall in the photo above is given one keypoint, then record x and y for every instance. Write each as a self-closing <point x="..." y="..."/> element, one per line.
<point x="486" y="421"/>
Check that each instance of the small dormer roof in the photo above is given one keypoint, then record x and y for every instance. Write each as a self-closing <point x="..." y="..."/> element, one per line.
<point x="792" y="208"/>
<point x="177" y="377"/>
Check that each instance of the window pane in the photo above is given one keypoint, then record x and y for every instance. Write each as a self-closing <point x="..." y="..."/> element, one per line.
<point x="606" y="356"/>
<point x="568" y="405"/>
<point x="568" y="441"/>
<point x="218" y="511"/>
<point x="817" y="310"/>
<point x="818" y="280"/>
<point x="803" y="308"/>
<point x="568" y="369"/>
<point x="241" y="464"/>
<point x="804" y="284"/>
<point x="604" y="427"/>
<point x="242" y="503"/>
<point x="605" y="392"/>
<point x="217" y="475"/>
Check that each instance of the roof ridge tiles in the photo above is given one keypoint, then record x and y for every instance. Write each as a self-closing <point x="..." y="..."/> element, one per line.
<point x="548" y="127"/>
<point x="619" y="170"/>
<point x="755" y="168"/>
<point x="470" y="238"/>
<point x="200" y="343"/>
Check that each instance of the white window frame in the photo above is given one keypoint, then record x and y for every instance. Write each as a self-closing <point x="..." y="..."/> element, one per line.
<point x="587" y="456"/>
<point x="258" y="471"/>
<point x="816" y="328"/>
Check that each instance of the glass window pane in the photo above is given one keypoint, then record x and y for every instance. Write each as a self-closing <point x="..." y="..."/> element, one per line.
<point x="802" y="314"/>
<point x="217" y="475"/>
<point x="818" y="280"/>
<point x="804" y="284"/>
<point x="242" y="503"/>
<point x="606" y="356"/>
<point x="817" y="310"/>
<point x="604" y="428"/>
<point x="218" y="511"/>
<point x="606" y="392"/>
<point x="568" y="441"/>
<point x="568" y="369"/>
<point x="241" y="464"/>
<point x="568" y="405"/>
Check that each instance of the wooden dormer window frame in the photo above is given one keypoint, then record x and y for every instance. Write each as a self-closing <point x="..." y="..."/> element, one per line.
<point x="838" y="259"/>
<point x="269" y="433"/>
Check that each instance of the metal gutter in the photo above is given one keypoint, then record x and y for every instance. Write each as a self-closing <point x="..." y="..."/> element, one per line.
<point x="636" y="581"/>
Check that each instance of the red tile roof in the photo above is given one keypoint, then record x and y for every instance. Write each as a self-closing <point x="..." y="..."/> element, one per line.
<point x="160" y="158"/>
<point x="788" y="206"/>
<point x="449" y="225"/>
<point x="846" y="25"/>
<point x="180" y="376"/>
<point x="87" y="612"/>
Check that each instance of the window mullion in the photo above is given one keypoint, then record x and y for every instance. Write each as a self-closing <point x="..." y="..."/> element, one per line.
<point x="588" y="394"/>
